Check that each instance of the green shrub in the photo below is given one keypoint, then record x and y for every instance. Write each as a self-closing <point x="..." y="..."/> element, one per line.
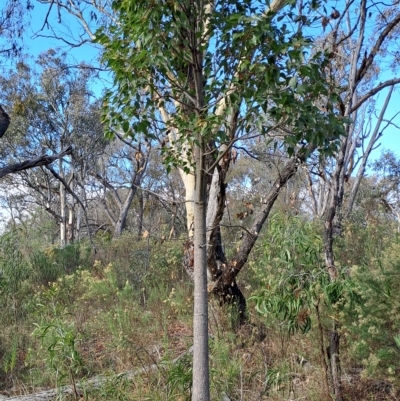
<point x="60" y="353"/>
<point x="291" y="272"/>
<point x="45" y="271"/>
<point x="374" y="323"/>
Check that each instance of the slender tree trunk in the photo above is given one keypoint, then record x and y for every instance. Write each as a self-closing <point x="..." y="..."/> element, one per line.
<point x="201" y="384"/>
<point x="123" y="214"/>
<point x="225" y="286"/>
<point x="333" y="214"/>
<point x="70" y="225"/>
<point x="140" y="215"/>
<point x="63" y="220"/>
<point x="201" y="376"/>
<point x="361" y="171"/>
<point x="79" y="218"/>
<point x="223" y="273"/>
<point x="322" y="347"/>
<point x="335" y="368"/>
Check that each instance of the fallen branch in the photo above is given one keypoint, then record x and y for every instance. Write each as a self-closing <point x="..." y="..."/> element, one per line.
<point x="84" y="385"/>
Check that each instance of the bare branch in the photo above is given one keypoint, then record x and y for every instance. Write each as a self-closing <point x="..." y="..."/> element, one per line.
<point x="374" y="91"/>
<point x="38" y="161"/>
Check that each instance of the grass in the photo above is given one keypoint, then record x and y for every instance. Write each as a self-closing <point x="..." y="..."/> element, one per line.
<point x="112" y="312"/>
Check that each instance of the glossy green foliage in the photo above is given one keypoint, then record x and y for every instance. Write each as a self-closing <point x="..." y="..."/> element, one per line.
<point x="256" y="63"/>
<point x="297" y="280"/>
<point x="60" y="343"/>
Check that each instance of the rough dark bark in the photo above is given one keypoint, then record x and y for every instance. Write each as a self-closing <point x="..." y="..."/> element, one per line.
<point x="250" y="237"/>
<point x="359" y="69"/>
<point x="4" y="121"/>
<point x="38" y="161"/>
<point x="334" y="359"/>
<point x="223" y="273"/>
<point x="322" y="348"/>
<point x="140" y="215"/>
<point x="123" y="214"/>
<point x="225" y="286"/>
<point x="141" y="159"/>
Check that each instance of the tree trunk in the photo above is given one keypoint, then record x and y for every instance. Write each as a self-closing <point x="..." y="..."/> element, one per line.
<point x="334" y="359"/>
<point x="140" y="215"/>
<point x="361" y="171"/>
<point x="79" y="217"/>
<point x="201" y="387"/>
<point x="123" y="213"/>
<point x="70" y="225"/>
<point x="222" y="273"/>
<point x="332" y="215"/>
<point x="225" y="286"/>
<point x="141" y="163"/>
<point x="63" y="221"/>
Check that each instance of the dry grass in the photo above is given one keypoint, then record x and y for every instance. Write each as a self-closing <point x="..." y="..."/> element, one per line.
<point x="124" y="320"/>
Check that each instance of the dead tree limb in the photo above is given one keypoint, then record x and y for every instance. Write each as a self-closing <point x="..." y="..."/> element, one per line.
<point x="43" y="160"/>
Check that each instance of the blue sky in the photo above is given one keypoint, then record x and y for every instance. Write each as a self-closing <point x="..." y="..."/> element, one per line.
<point x="88" y="53"/>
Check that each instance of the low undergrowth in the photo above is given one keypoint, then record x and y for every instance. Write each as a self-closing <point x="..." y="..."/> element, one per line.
<point x="71" y="315"/>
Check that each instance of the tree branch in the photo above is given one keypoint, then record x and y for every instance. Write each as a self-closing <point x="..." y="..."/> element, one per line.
<point x="38" y="161"/>
<point x="374" y="91"/>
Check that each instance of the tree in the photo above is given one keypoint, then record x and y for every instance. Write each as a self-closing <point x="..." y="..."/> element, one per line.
<point x="12" y="27"/>
<point x="356" y="53"/>
<point x="53" y="109"/>
<point x="120" y="173"/>
<point x="204" y="71"/>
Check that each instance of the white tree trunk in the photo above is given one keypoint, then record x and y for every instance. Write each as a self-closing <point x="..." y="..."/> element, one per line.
<point x="189" y="184"/>
<point x="63" y="222"/>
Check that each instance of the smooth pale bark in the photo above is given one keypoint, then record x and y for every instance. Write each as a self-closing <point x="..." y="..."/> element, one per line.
<point x="70" y="225"/>
<point x="78" y="222"/>
<point x="201" y="376"/>
<point x="201" y="385"/>
<point x="361" y="171"/>
<point x="67" y="188"/>
<point x="63" y="201"/>
<point x="189" y="184"/>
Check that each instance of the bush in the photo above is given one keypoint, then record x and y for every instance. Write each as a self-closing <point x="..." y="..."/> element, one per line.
<point x="375" y="320"/>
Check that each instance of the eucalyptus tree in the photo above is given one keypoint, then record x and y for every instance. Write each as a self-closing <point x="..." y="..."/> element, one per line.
<point x="358" y="51"/>
<point x="211" y="75"/>
<point x="13" y="21"/>
<point x="120" y="171"/>
<point x="243" y="54"/>
<point x="208" y="75"/>
<point x="51" y="110"/>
